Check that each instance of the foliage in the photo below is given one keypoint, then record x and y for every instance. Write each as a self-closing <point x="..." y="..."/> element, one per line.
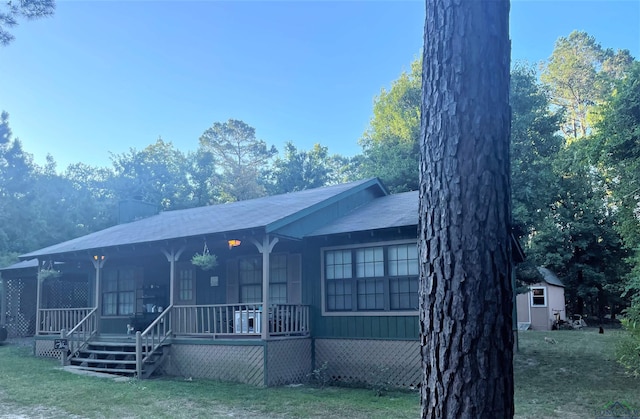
<point x="205" y="261"/>
<point x="320" y="376"/>
<point x="241" y="157"/>
<point x="580" y="74"/>
<point x="48" y="273"/>
<point x="157" y="174"/>
<point x="12" y="10"/>
<point x="391" y="143"/>
<point x="299" y="169"/>
<point x="534" y="143"/>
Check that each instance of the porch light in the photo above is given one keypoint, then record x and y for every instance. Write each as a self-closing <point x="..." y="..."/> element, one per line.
<point x="96" y="257"/>
<point x="234" y="243"/>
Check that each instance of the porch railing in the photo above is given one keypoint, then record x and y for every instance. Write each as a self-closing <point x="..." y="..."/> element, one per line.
<point x="51" y="321"/>
<point x="288" y="319"/>
<point x="239" y="320"/>
<point x="79" y="336"/>
<point x="152" y="338"/>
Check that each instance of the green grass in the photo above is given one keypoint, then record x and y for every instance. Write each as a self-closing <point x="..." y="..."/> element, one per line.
<point x="572" y="378"/>
<point x="569" y="379"/>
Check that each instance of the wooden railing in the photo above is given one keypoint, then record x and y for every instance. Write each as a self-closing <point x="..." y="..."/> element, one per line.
<point x="54" y="320"/>
<point x="152" y="338"/>
<point x="288" y="319"/>
<point x="79" y="336"/>
<point x="239" y="320"/>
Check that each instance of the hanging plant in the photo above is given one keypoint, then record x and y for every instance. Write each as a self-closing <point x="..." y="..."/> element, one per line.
<point x="205" y="260"/>
<point x="48" y="272"/>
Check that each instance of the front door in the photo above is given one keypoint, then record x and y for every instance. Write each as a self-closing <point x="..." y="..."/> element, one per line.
<point x="185" y="285"/>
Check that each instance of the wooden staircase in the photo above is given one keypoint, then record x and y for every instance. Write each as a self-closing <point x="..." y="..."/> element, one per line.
<point x="113" y="356"/>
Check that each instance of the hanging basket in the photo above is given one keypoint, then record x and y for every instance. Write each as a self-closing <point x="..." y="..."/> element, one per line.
<point x="205" y="260"/>
<point x="49" y="273"/>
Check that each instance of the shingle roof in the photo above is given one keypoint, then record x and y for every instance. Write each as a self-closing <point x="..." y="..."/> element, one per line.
<point x="25" y="264"/>
<point x="241" y="215"/>
<point x="398" y="210"/>
<point x="549" y="277"/>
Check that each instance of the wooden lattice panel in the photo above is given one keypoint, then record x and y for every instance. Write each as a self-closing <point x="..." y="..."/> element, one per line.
<point x="61" y="293"/>
<point x="288" y="361"/>
<point x="21" y="308"/>
<point x="244" y="364"/>
<point x="370" y="361"/>
<point x="44" y="348"/>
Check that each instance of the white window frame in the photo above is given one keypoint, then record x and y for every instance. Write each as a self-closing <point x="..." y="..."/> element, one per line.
<point x="384" y="313"/>
<point x="544" y="294"/>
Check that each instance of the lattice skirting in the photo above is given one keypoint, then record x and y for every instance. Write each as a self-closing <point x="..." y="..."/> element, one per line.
<point x="238" y="363"/>
<point x="44" y="348"/>
<point x="20" y="306"/>
<point x="288" y="361"/>
<point x="365" y="361"/>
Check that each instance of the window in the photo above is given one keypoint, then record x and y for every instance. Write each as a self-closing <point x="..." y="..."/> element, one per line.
<point x="538" y="297"/>
<point x="278" y="279"/>
<point x="250" y="275"/>
<point x="250" y="279"/>
<point x="373" y="278"/>
<point x="118" y="292"/>
<point x="185" y="284"/>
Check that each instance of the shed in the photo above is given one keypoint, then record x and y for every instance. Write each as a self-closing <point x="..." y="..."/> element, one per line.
<point x="538" y="308"/>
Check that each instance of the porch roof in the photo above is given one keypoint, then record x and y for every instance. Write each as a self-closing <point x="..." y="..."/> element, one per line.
<point x="269" y="213"/>
<point x="390" y="211"/>
<point x="24" y="264"/>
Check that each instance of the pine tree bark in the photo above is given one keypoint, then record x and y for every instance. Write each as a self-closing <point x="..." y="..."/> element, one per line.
<point x="465" y="212"/>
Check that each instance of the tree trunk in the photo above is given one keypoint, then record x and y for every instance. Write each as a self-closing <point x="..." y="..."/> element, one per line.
<point x="465" y="212"/>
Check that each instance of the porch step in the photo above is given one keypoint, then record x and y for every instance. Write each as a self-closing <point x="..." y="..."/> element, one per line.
<point x="119" y="371"/>
<point x="116" y="357"/>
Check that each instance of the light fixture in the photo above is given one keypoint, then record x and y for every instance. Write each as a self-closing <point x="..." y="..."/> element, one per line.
<point x="234" y="243"/>
<point x="96" y="257"/>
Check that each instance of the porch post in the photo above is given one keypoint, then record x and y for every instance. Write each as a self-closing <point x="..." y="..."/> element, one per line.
<point x="265" y="248"/>
<point x="3" y="302"/>
<point x="172" y="258"/>
<point x="98" y="263"/>
<point x="38" y="300"/>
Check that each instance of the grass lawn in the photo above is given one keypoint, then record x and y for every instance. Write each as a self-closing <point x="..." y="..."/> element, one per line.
<point x="569" y="379"/>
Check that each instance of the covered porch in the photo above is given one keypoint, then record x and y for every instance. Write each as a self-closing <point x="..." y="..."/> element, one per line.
<point x="159" y="312"/>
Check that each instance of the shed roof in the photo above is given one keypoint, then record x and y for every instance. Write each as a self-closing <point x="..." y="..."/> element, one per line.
<point x="390" y="211"/>
<point x="549" y="277"/>
<point x="268" y="213"/>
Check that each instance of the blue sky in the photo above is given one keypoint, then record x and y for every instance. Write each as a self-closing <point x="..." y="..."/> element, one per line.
<point x="104" y="76"/>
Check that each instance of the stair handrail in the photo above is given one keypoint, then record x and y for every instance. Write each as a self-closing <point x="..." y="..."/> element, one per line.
<point x="79" y="335"/>
<point x="153" y="337"/>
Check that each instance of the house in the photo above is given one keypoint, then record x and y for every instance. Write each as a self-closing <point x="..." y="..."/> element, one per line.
<point x="327" y="275"/>
<point x="543" y="304"/>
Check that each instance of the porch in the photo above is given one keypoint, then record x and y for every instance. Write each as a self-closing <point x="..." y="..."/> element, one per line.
<point x="221" y="341"/>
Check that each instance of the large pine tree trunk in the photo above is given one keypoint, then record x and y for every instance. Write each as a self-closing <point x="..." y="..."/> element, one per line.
<point x="465" y="212"/>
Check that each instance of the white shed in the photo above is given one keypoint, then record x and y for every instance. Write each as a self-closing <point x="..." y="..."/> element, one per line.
<point x="537" y="309"/>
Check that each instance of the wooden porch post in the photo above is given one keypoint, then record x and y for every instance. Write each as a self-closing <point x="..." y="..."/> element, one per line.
<point x="172" y="258"/>
<point x="98" y="263"/>
<point x="265" y="248"/>
<point x="38" y="300"/>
